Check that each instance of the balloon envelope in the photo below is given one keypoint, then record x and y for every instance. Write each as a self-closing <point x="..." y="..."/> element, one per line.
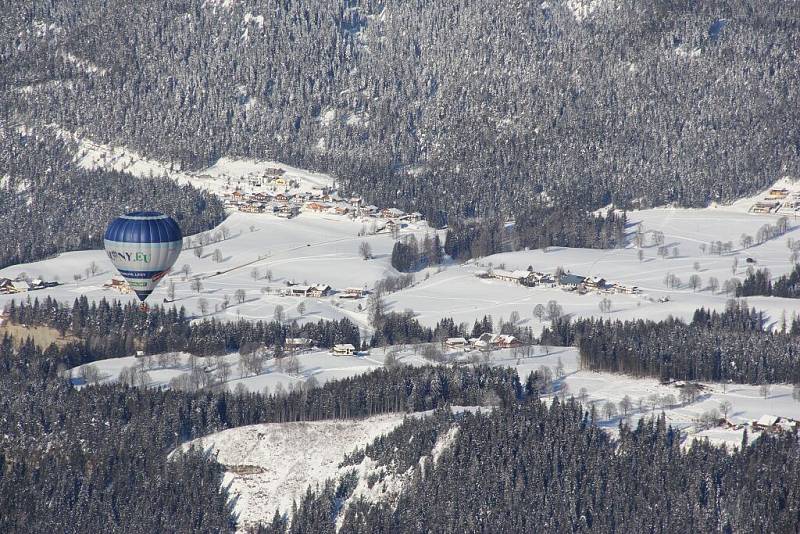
<point x="143" y="245"/>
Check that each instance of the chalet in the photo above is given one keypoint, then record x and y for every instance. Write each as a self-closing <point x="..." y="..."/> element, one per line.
<point x="570" y="281"/>
<point x="343" y="350"/>
<point x="356" y="201"/>
<point x="490" y="341"/>
<point x="297" y="343"/>
<point x="510" y="276"/>
<point x="237" y="196"/>
<point x="778" y="193"/>
<point x="319" y="290"/>
<point x="505" y="341"/>
<point x="20" y="286"/>
<point x="629" y="290"/>
<point x="274" y="171"/>
<point x="370" y="210"/>
<point x="483" y="274"/>
<point x="773" y="423"/>
<point x="764" y="207"/>
<point x="415" y="216"/>
<point x="6" y="286"/>
<point x="261" y="197"/>
<point x="352" y="293"/>
<point x="281" y="197"/>
<point x="341" y="210"/>
<point x="287" y="212"/>
<point x="117" y="283"/>
<point x="456" y="343"/>
<point x="391" y="213"/>
<point x="252" y="207"/>
<point x="299" y="291"/>
<point x="595" y="282"/>
<point x="317" y="206"/>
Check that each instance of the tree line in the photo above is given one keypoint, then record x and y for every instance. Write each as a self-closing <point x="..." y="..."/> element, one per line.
<point x="729" y="346"/>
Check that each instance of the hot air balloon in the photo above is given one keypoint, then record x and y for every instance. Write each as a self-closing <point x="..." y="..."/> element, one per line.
<point x="143" y="245"/>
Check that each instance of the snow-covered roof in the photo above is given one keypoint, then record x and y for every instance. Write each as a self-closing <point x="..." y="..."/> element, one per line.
<point x="456" y="341"/>
<point x="20" y="285"/>
<point x="343" y="347"/>
<point x="767" y="420"/>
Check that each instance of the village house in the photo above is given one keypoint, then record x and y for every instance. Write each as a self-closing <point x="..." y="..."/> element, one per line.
<point x="370" y="210"/>
<point x="281" y="197"/>
<point x="773" y="423"/>
<point x="319" y="290"/>
<point x="595" y="282"/>
<point x="297" y="343"/>
<point x="341" y="210"/>
<point x="317" y="207"/>
<point x="237" y="196"/>
<point x="778" y="193"/>
<point x="456" y="343"/>
<point x="117" y="283"/>
<point x="392" y="213"/>
<point x="343" y="350"/>
<point x="510" y="276"/>
<point x="355" y="201"/>
<point x="287" y="211"/>
<point x="252" y="207"/>
<point x="489" y="341"/>
<point x="764" y="207"/>
<point x="352" y="293"/>
<point x="20" y="286"/>
<point x="570" y="281"/>
<point x="6" y="286"/>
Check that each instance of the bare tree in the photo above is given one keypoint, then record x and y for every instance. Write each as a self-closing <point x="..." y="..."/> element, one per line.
<point x="725" y="407"/>
<point x="640" y="254"/>
<point x="625" y="406"/>
<point x="171" y="290"/>
<point x="713" y="284"/>
<point x="217" y="255"/>
<point x="226" y="301"/>
<point x="255" y="273"/>
<point x="203" y="305"/>
<point x="365" y="249"/>
<point x="268" y="275"/>
<point x="226" y="233"/>
<point x="696" y="266"/>
<point x="539" y="311"/>
<point x="695" y="282"/>
<point x="301" y="308"/>
<point x="605" y="305"/>
<point x="90" y="374"/>
<point x="554" y="310"/>
<point x="196" y="285"/>
<point x="186" y="269"/>
<point x="198" y="251"/>
<point x="609" y="409"/>
<point x="240" y="295"/>
<point x="278" y="314"/>
<point x="764" y="389"/>
<point x="93" y="268"/>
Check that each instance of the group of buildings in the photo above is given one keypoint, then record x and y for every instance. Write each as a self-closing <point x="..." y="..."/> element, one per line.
<point x="777" y="199"/>
<point x="9" y="286"/>
<point x="566" y="281"/>
<point x="277" y="199"/>
<point x="484" y="342"/>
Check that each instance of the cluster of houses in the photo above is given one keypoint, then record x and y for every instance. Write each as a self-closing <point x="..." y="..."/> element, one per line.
<point x="777" y="199"/>
<point x="9" y="286"/>
<point x="566" y="281"/>
<point x="484" y="342"/>
<point x="282" y="202"/>
<point x="318" y="290"/>
<point x="770" y="424"/>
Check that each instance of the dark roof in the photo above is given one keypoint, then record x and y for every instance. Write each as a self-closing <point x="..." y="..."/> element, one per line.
<point x="569" y="279"/>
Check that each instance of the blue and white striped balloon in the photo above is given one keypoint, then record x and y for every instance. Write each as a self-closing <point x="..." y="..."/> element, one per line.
<point x="143" y="246"/>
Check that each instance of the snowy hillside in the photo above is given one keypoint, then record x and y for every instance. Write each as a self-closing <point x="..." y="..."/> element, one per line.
<point x="271" y="465"/>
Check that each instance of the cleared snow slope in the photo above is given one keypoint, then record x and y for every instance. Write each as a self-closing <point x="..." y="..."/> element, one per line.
<point x="271" y="465"/>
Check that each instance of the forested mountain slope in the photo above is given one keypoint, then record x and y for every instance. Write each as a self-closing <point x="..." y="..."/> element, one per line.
<point x="639" y="102"/>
